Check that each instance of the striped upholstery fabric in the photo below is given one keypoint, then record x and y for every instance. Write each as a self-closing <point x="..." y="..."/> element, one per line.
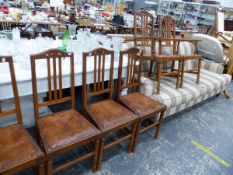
<point x="176" y="100"/>
<point x="211" y="66"/>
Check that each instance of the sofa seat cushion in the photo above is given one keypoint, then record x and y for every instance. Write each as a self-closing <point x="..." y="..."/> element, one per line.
<point x="209" y="81"/>
<point x="169" y="95"/>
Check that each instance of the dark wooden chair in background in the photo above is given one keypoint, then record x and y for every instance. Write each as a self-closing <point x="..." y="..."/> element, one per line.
<point x="62" y="131"/>
<point x="108" y="115"/>
<point x="143" y="106"/>
<point x="18" y="150"/>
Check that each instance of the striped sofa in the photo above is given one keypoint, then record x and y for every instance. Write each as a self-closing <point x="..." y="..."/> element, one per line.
<point x="212" y="82"/>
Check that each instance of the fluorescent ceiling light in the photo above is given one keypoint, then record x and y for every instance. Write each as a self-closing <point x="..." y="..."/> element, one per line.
<point x="151" y="2"/>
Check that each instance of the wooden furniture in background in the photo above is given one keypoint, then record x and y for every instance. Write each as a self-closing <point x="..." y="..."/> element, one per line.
<point x="146" y="28"/>
<point x="204" y="29"/>
<point x="108" y="115"/>
<point x="195" y="56"/>
<point x="167" y="28"/>
<point x="18" y="150"/>
<point x="143" y="106"/>
<point x="160" y="59"/>
<point x="62" y="131"/>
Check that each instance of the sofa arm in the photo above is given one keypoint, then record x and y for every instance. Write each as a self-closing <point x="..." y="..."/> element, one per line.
<point x="212" y="66"/>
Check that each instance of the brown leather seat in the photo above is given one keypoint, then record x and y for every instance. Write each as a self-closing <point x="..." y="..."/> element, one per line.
<point x="63" y="129"/>
<point x="108" y="115"/>
<point x="141" y="104"/>
<point x="17" y="147"/>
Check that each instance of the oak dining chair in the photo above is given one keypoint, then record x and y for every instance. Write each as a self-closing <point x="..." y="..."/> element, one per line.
<point x="144" y="28"/>
<point x="108" y="115"/>
<point x="67" y="130"/>
<point x="144" y="107"/>
<point x="18" y="150"/>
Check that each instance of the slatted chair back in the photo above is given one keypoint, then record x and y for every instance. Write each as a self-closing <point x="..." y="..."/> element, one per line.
<point x="167" y="28"/>
<point x="53" y="60"/>
<point x="99" y="57"/>
<point x="16" y="110"/>
<point x="146" y="28"/>
<point x="133" y="57"/>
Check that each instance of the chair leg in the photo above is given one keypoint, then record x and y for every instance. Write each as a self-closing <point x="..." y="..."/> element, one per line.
<point x="49" y="167"/>
<point x="158" y="77"/>
<point x="100" y="156"/>
<point x="41" y="169"/>
<point x="178" y="76"/>
<point x="96" y="154"/>
<point x="182" y="75"/>
<point x="136" y="137"/>
<point x="172" y="66"/>
<point x="159" y="125"/>
<point x="198" y="71"/>
<point x="132" y="140"/>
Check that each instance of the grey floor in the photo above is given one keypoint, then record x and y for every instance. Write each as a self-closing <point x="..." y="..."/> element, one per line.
<point x="209" y="123"/>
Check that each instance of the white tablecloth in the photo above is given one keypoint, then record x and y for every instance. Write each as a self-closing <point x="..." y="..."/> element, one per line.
<point x="21" y="54"/>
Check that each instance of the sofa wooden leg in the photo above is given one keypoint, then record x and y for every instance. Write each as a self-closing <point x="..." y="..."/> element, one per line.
<point x="225" y="94"/>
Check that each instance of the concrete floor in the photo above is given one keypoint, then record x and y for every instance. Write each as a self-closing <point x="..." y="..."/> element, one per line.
<point x="209" y="123"/>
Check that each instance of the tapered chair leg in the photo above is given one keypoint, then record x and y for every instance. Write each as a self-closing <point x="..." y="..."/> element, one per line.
<point x="182" y="74"/>
<point x="178" y="76"/>
<point x="132" y="140"/>
<point x="41" y="169"/>
<point x="96" y="154"/>
<point x="158" y="77"/>
<point x="159" y="125"/>
<point x="136" y="137"/>
<point x="198" y="71"/>
<point x="100" y="156"/>
<point x="49" y="167"/>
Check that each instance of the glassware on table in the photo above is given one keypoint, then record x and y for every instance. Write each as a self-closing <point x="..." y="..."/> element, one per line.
<point x="65" y="40"/>
<point x="72" y="30"/>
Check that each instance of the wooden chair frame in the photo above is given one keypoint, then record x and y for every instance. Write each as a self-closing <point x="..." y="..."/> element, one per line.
<point x="17" y="111"/>
<point x="133" y="80"/>
<point x="167" y="28"/>
<point x="147" y="23"/>
<point x="134" y="56"/>
<point x="194" y="56"/>
<point x="56" y="97"/>
<point x="99" y="55"/>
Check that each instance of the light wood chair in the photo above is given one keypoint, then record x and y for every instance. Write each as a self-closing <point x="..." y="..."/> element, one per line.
<point x="146" y="28"/>
<point x="143" y="106"/>
<point x="108" y="115"/>
<point x="167" y="29"/>
<point x="191" y="57"/>
<point x="63" y="131"/>
<point x="18" y="150"/>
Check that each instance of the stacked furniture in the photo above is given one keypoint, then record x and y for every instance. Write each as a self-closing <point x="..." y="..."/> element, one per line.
<point x="211" y="82"/>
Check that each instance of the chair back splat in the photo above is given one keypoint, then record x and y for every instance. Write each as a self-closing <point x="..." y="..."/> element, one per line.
<point x="16" y="110"/>
<point x="53" y="60"/>
<point x="133" y="72"/>
<point x="99" y="57"/>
